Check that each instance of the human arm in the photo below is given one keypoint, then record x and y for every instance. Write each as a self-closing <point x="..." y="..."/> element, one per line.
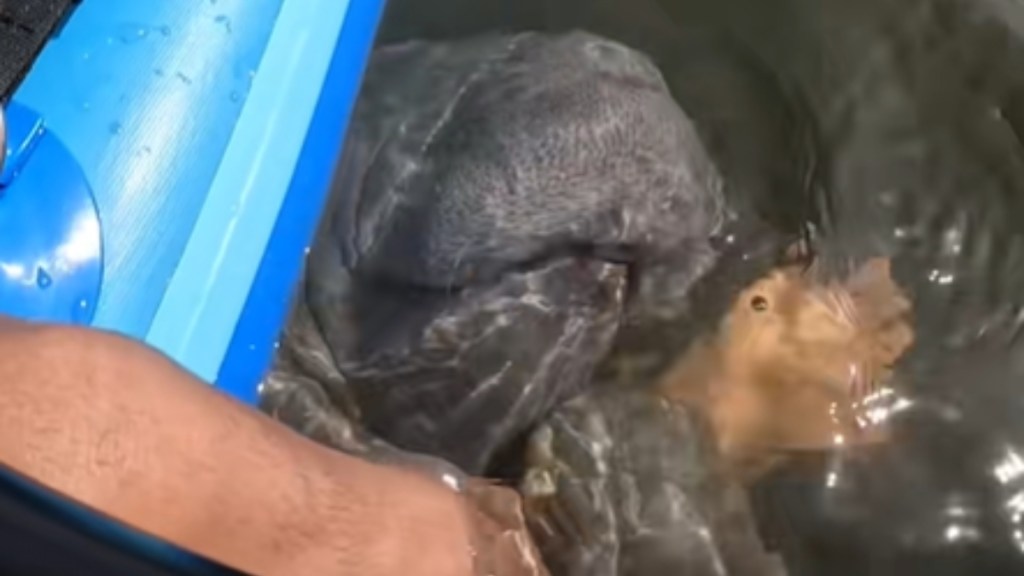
<point x="121" y="428"/>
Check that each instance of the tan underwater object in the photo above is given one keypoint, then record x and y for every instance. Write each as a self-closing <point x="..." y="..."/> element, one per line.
<point x="794" y="363"/>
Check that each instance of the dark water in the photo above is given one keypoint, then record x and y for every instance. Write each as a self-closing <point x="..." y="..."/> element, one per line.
<point x="889" y="128"/>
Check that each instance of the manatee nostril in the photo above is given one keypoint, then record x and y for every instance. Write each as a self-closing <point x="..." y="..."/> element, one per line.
<point x="759" y="303"/>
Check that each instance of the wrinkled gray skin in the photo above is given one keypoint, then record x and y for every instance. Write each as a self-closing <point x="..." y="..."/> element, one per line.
<point x="896" y="127"/>
<point x="468" y="159"/>
<point x="298" y="389"/>
<point x="624" y="484"/>
<point x="497" y="198"/>
<point x="458" y="378"/>
<point x="915" y="114"/>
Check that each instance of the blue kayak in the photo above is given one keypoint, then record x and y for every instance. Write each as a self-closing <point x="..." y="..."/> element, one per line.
<point x="166" y="165"/>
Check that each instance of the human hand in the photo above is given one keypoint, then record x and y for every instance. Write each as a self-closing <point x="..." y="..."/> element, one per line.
<point x="502" y="543"/>
<point x="99" y="418"/>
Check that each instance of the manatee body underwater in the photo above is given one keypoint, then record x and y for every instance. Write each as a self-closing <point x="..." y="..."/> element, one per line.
<point x="519" y="214"/>
<point x="495" y="194"/>
<point x="622" y="483"/>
